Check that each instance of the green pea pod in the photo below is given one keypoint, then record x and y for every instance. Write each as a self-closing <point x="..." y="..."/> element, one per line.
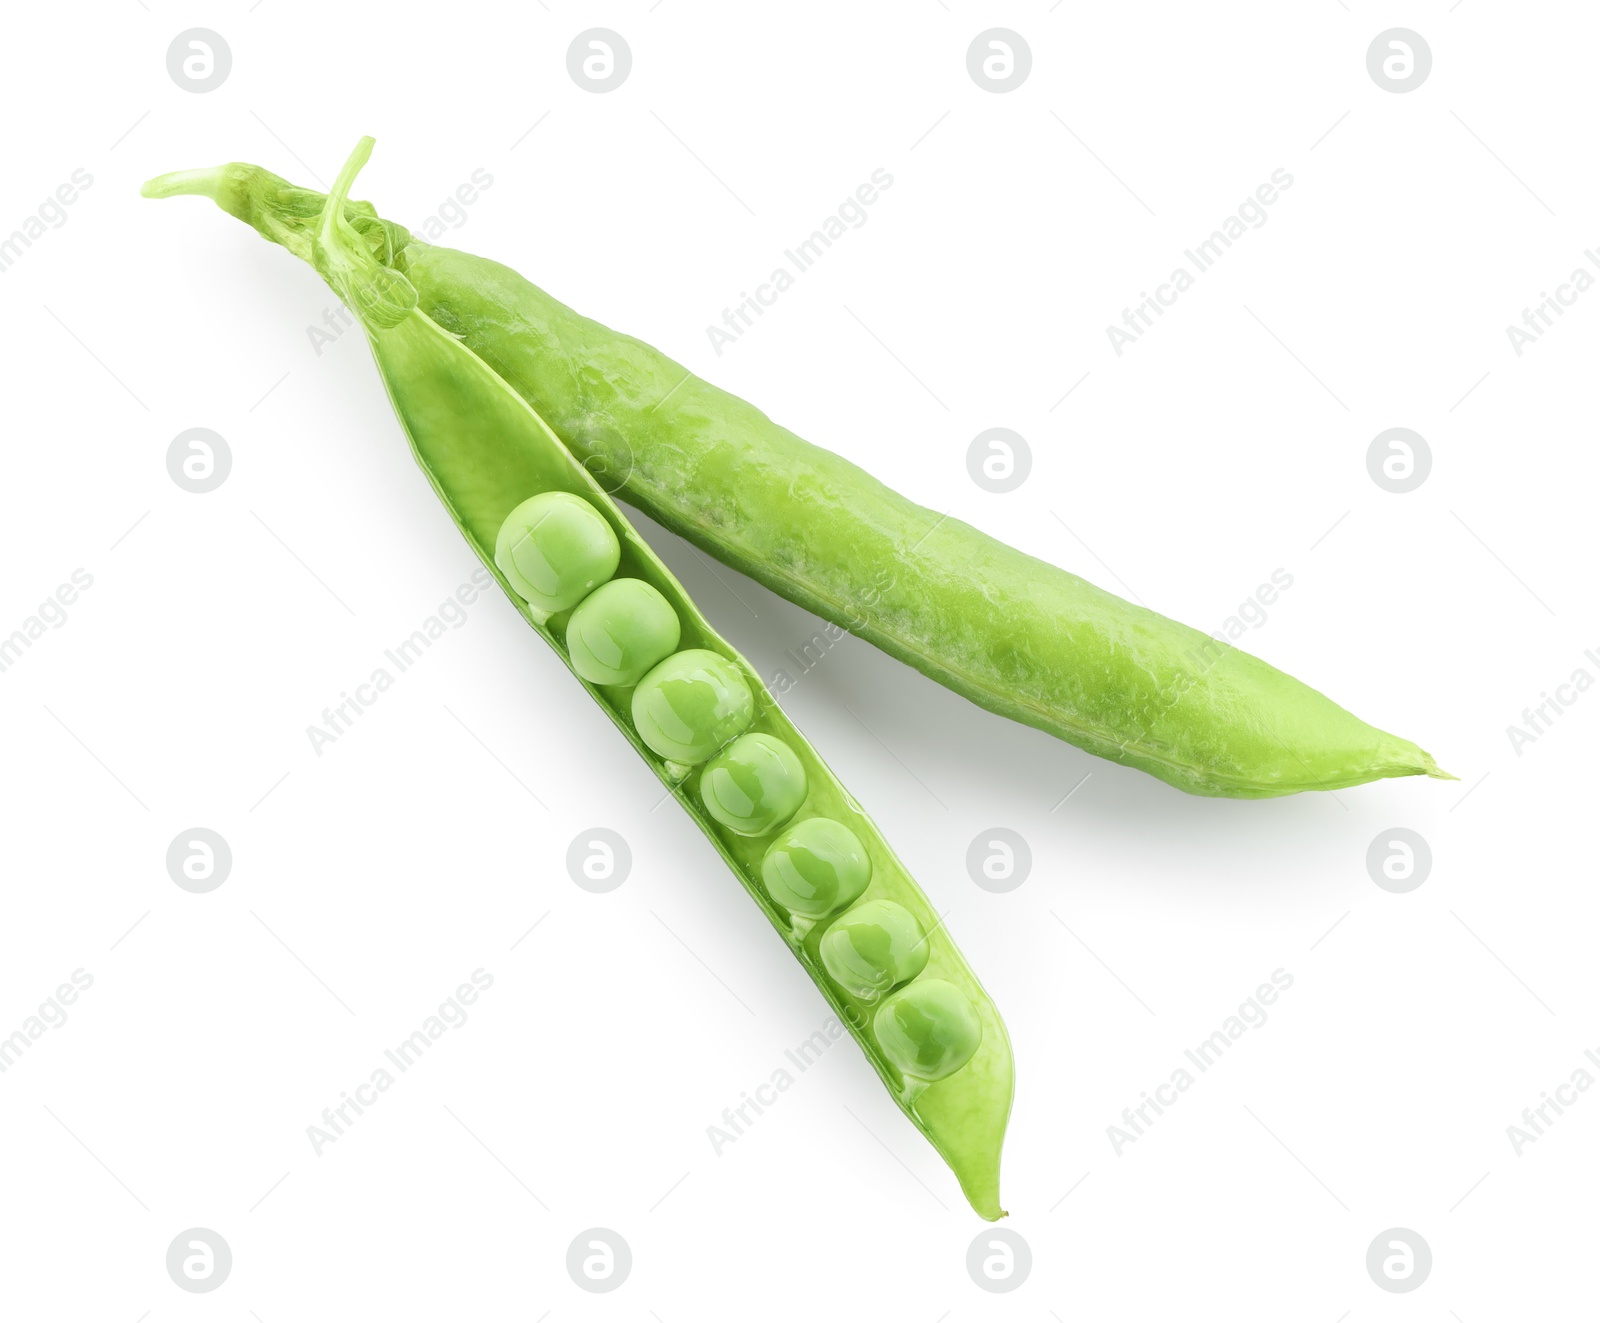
<point x="561" y="549"/>
<point x="1013" y="634"/>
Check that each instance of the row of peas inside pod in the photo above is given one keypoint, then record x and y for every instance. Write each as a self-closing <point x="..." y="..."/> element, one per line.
<point x="693" y="708"/>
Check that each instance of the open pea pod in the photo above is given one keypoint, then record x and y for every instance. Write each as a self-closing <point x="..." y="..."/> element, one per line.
<point x="693" y="708"/>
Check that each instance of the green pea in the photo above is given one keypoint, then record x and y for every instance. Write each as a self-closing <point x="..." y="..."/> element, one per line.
<point x="754" y="785"/>
<point x="929" y="1030"/>
<point x="816" y="867"/>
<point x="874" y="948"/>
<point x="619" y="631"/>
<point x="692" y="704"/>
<point x="554" y="548"/>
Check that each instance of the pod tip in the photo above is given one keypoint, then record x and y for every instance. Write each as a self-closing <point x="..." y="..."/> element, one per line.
<point x="199" y="183"/>
<point x="1431" y="768"/>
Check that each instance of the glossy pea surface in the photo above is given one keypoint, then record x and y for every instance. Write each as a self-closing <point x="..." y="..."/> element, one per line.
<point x="929" y="1030"/>
<point x="620" y="630"/>
<point x="691" y="704"/>
<point x="554" y="548"/>
<point x="754" y="785"/>
<point x="871" y="949"/>
<point x="816" y="866"/>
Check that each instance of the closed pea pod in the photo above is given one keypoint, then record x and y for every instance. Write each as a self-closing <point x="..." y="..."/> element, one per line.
<point x="1014" y="634"/>
<point x="490" y="457"/>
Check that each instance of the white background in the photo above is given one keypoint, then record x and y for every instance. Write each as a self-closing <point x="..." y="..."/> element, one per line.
<point x="370" y="881"/>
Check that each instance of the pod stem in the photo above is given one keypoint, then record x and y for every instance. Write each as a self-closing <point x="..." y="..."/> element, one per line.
<point x="278" y="210"/>
<point x="376" y="293"/>
<point x="331" y="225"/>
